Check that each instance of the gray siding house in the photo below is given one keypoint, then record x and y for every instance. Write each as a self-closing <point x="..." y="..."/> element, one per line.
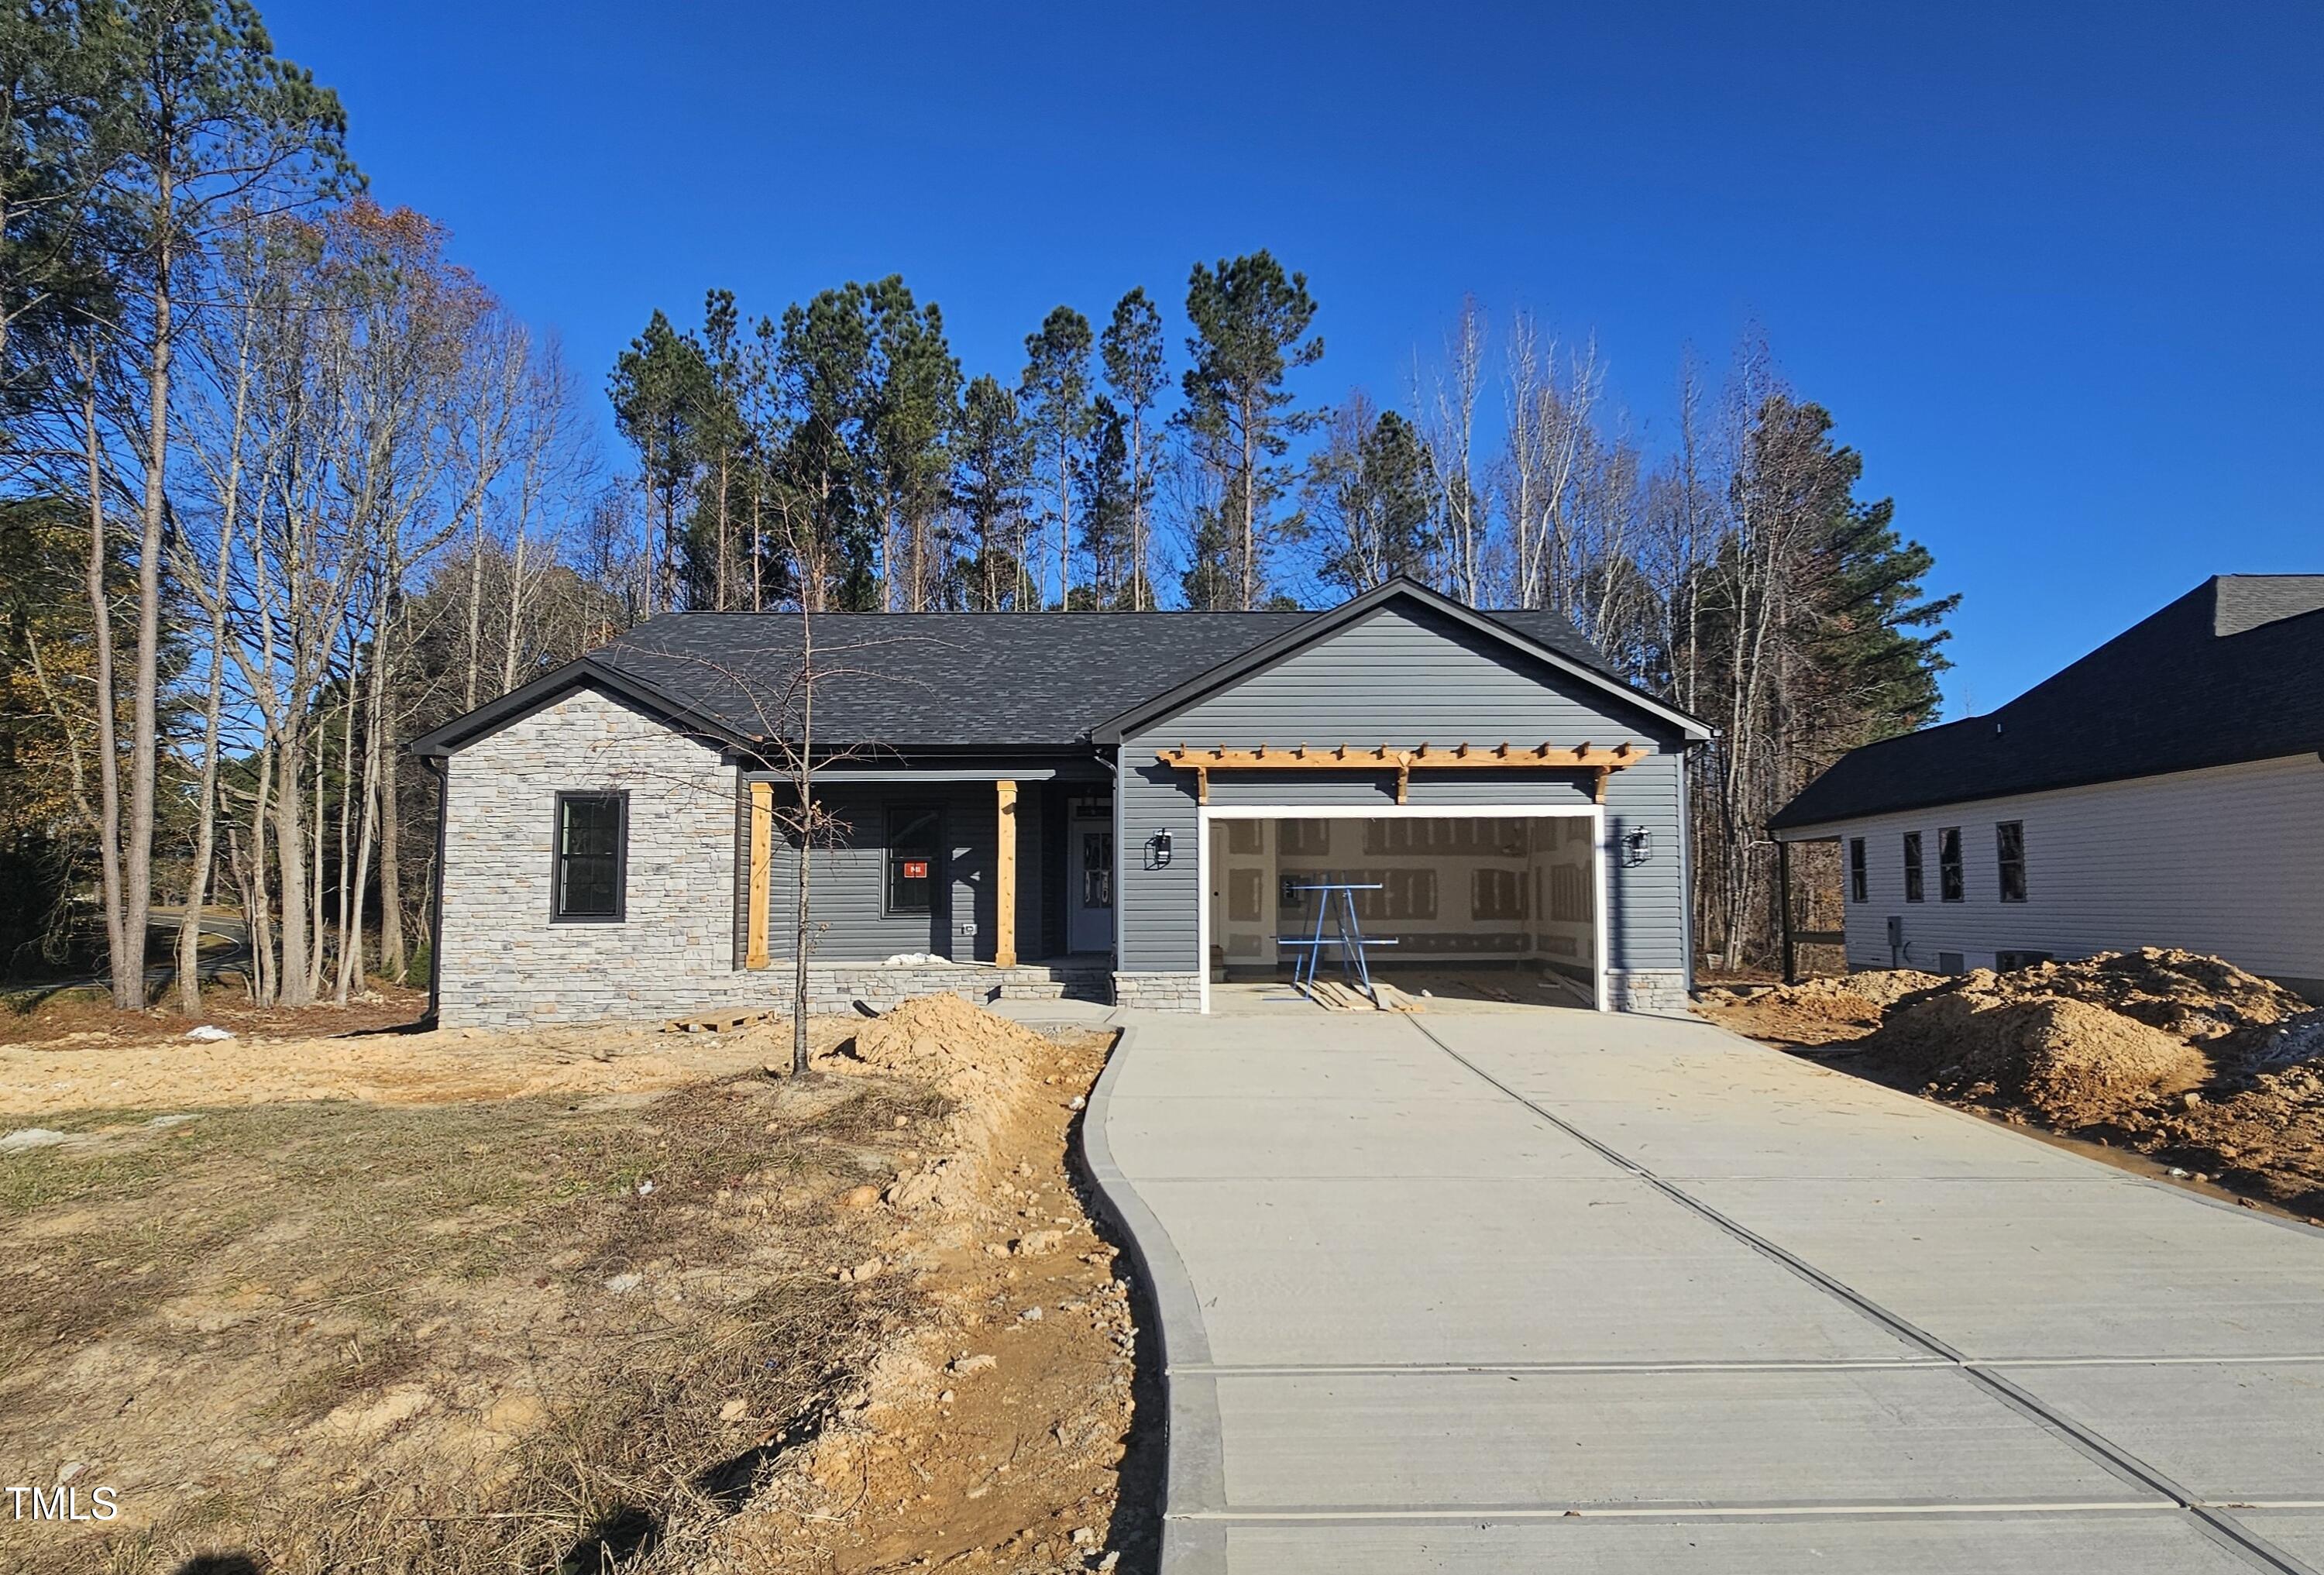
<point x="1116" y="806"/>
<point x="2165" y="790"/>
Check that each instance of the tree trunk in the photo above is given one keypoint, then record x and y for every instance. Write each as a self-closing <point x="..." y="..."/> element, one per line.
<point x="476" y="608"/>
<point x="724" y="550"/>
<point x="145" y="744"/>
<point x="292" y="986"/>
<point x="198" y="879"/>
<point x="1137" y="511"/>
<point x="258" y="915"/>
<point x="803" y="780"/>
<point x="351" y="968"/>
<point x="128" y="974"/>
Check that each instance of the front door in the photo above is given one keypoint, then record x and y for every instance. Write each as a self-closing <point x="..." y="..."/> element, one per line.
<point x="1089" y="876"/>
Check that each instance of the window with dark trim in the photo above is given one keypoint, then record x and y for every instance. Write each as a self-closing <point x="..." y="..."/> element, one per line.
<point x="2009" y="847"/>
<point x="1859" y="880"/>
<point x="1915" y="890"/>
<point x="915" y="854"/>
<point x="1949" y="864"/>
<point x="592" y="838"/>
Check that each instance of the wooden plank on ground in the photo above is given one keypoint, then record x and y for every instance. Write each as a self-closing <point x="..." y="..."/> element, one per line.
<point x="1392" y="1000"/>
<point x="717" y="1023"/>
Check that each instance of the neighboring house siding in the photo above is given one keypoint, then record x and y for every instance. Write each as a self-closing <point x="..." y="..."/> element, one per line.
<point x="2228" y="860"/>
<point x="1401" y="677"/>
<point x="502" y="958"/>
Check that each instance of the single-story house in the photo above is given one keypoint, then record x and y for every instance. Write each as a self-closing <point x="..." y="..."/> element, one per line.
<point x="1119" y="806"/>
<point x="2165" y="790"/>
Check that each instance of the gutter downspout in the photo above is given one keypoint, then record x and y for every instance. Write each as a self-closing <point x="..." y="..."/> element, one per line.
<point x="439" y="768"/>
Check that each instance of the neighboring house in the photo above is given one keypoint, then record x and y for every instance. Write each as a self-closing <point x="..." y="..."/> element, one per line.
<point x="1111" y="804"/>
<point x="2165" y="790"/>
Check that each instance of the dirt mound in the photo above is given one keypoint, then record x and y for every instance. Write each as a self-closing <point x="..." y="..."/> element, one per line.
<point x="1818" y="1011"/>
<point x="2197" y="998"/>
<point x="933" y="1035"/>
<point x="2075" y="1062"/>
<point x="2212" y="1072"/>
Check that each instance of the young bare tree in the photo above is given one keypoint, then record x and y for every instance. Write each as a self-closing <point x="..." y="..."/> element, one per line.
<point x="1448" y="419"/>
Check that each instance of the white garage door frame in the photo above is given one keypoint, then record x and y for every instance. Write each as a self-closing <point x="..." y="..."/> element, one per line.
<point x="1595" y="814"/>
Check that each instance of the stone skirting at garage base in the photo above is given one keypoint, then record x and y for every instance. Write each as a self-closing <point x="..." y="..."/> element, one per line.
<point x="835" y="987"/>
<point x="1640" y="989"/>
<point x="1160" y="992"/>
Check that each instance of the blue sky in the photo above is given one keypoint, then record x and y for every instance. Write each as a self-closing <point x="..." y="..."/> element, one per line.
<point x="2055" y="268"/>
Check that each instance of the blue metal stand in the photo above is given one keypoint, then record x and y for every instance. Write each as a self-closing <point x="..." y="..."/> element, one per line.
<point x="1338" y="903"/>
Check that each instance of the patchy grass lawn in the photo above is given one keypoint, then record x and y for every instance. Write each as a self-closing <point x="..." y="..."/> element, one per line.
<point x="530" y="1333"/>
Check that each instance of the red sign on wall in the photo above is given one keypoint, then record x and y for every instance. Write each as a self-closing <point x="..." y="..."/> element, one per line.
<point x="916" y="869"/>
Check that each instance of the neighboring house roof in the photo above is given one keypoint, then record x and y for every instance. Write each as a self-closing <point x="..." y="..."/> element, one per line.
<point x="966" y="680"/>
<point x="2232" y="671"/>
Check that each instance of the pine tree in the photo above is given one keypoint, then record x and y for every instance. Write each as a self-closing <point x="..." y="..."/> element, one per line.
<point x="1055" y="399"/>
<point x="660" y="390"/>
<point x="826" y="370"/>
<point x="991" y="461"/>
<point x="914" y="408"/>
<point x="1108" y="519"/>
<point x="1373" y="486"/>
<point x="1251" y="331"/>
<point x="1132" y="349"/>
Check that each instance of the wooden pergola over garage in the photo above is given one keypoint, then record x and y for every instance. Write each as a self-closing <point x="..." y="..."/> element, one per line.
<point x="1425" y="757"/>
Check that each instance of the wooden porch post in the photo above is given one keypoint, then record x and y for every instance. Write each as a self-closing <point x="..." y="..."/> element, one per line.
<point x="1004" y="878"/>
<point x="1783" y="896"/>
<point x="762" y="826"/>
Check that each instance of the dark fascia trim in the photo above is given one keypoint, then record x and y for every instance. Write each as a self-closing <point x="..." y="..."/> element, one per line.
<point x="581" y="674"/>
<point x="1779" y="822"/>
<point x="1115" y="728"/>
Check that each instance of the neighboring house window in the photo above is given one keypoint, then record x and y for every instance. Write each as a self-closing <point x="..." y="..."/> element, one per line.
<point x="1859" y="883"/>
<point x="1914" y="891"/>
<point x="913" y="838"/>
<point x="593" y="835"/>
<point x="2010" y="839"/>
<point x="1949" y="864"/>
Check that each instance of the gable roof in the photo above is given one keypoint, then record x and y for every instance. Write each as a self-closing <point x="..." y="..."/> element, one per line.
<point x="2229" y="672"/>
<point x="1545" y="636"/>
<point x="967" y="680"/>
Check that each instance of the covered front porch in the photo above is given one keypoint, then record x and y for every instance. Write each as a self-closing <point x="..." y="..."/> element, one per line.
<point x="1006" y="867"/>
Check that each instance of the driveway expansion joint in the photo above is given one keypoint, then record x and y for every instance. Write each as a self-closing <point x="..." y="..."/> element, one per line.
<point x="2107" y="1453"/>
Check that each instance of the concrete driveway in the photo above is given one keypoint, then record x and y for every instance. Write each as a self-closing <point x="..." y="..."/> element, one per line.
<point x="1500" y="1291"/>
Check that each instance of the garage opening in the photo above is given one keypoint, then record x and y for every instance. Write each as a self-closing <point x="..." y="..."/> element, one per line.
<point x="1483" y="906"/>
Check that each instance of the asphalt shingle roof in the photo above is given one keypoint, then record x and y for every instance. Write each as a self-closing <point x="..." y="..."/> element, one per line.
<point x="2234" y="670"/>
<point x="962" y="679"/>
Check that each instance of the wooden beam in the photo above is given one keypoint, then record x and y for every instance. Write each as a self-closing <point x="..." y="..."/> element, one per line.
<point x="1004" y="877"/>
<point x="1426" y="756"/>
<point x="763" y="839"/>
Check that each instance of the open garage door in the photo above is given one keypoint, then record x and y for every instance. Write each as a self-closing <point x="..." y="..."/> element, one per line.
<point x="1504" y="904"/>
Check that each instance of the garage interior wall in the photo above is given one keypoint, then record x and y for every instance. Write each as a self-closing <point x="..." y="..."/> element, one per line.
<point x="1565" y="905"/>
<point x="1454" y="888"/>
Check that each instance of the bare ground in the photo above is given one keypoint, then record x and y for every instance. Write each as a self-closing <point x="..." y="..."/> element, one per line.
<point x="579" y="1301"/>
<point x="2213" y="1073"/>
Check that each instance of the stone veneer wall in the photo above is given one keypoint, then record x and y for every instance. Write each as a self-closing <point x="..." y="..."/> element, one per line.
<point x="1161" y="992"/>
<point x="502" y="959"/>
<point x="504" y="964"/>
<point x="1640" y="989"/>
